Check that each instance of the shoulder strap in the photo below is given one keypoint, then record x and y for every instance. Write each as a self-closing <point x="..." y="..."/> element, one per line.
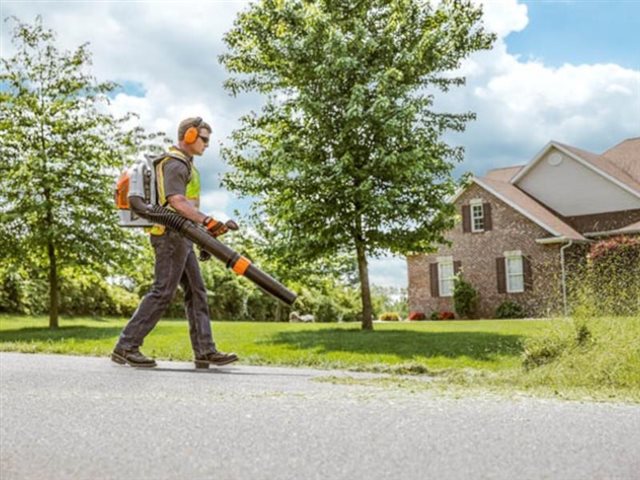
<point x="178" y="157"/>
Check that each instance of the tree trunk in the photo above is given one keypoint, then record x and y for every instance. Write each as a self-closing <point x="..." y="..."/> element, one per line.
<point x="365" y="291"/>
<point x="53" y="268"/>
<point x="53" y="286"/>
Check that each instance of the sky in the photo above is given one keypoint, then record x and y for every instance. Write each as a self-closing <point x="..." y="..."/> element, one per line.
<point x="562" y="70"/>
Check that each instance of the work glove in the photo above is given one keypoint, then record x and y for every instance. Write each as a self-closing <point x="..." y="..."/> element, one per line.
<point x="217" y="228"/>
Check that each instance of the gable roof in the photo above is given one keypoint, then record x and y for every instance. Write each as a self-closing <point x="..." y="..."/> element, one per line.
<point x="620" y="165"/>
<point x="528" y="206"/>
<point x="626" y="156"/>
<point x="504" y="174"/>
<point x="598" y="163"/>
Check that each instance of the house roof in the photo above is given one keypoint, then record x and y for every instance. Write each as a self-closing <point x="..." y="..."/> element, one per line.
<point x="626" y="230"/>
<point x="503" y="174"/>
<point x="600" y="164"/>
<point x="626" y="156"/>
<point x="609" y="167"/>
<point x="631" y="228"/>
<point x="527" y="206"/>
<point x="620" y="165"/>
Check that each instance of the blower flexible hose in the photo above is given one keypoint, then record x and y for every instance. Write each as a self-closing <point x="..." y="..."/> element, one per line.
<point x="198" y="235"/>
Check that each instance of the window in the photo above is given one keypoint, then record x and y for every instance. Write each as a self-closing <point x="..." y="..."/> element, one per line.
<point x="477" y="217"/>
<point x="445" y="277"/>
<point x="514" y="271"/>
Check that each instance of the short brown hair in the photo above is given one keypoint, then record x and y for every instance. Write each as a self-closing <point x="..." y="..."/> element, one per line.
<point x="191" y="122"/>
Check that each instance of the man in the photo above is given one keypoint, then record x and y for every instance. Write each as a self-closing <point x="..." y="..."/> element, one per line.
<point x="178" y="184"/>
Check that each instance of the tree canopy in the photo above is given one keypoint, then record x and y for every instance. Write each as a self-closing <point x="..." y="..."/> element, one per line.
<point x="347" y="155"/>
<point x="61" y="150"/>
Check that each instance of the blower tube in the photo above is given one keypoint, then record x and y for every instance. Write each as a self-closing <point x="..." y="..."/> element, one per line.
<point x="198" y="235"/>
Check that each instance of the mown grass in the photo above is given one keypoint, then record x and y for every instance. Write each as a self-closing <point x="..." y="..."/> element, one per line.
<point x="599" y="358"/>
<point x="491" y="345"/>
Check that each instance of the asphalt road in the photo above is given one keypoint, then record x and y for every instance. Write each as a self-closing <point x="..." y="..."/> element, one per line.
<point x="85" y="418"/>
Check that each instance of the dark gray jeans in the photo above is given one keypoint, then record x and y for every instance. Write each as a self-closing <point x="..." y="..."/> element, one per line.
<point x="176" y="263"/>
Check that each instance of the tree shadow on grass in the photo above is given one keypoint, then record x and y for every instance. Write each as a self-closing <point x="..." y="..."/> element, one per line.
<point x="61" y="333"/>
<point x="405" y="344"/>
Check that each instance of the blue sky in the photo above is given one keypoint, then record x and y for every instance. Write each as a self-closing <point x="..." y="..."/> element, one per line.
<point x="560" y="70"/>
<point x="586" y="31"/>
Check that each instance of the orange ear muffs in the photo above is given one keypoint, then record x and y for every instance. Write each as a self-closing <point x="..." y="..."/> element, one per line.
<point x="192" y="133"/>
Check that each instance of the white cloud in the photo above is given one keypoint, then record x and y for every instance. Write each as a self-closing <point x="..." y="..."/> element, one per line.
<point x="523" y="104"/>
<point x="215" y="203"/>
<point x="504" y="16"/>
<point x="171" y="49"/>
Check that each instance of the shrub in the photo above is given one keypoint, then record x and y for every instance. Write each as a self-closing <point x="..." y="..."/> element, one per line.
<point x="390" y="317"/>
<point x="21" y="292"/>
<point x="446" y="316"/>
<point x="509" y="309"/>
<point x="435" y="315"/>
<point x="327" y="311"/>
<point x="611" y="281"/>
<point x="417" y="316"/>
<point x="465" y="297"/>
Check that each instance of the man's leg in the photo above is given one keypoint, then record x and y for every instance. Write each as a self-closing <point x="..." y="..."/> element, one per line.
<point x="197" y="309"/>
<point x="171" y="252"/>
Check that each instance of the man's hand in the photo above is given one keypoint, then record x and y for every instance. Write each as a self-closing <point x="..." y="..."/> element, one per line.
<point x="217" y="228"/>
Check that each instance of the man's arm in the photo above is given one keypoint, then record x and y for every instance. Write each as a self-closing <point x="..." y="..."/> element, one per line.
<point x="216" y="228"/>
<point x="181" y="205"/>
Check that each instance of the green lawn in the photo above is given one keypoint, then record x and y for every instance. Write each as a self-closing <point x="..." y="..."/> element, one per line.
<point x="482" y="353"/>
<point x="489" y="345"/>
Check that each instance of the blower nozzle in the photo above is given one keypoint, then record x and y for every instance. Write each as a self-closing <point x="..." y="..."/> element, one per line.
<point x="198" y="235"/>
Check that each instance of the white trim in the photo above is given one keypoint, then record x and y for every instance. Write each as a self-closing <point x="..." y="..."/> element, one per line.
<point x="531" y="164"/>
<point x="460" y="191"/>
<point x="476" y="201"/>
<point x="442" y="279"/>
<point x="578" y="159"/>
<point x="619" y="231"/>
<point x="473" y="218"/>
<point x="517" y="207"/>
<point x="561" y="239"/>
<point x="506" y="271"/>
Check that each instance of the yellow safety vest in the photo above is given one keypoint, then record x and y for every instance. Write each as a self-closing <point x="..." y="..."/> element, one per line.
<point x="193" y="186"/>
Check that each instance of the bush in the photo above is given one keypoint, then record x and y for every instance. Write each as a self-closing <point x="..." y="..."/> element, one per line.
<point x="327" y="311"/>
<point x="390" y="317"/>
<point x="21" y="292"/>
<point x="91" y="294"/>
<point x="611" y="282"/>
<point x="417" y="316"/>
<point x="509" y="309"/>
<point x="465" y="297"/>
<point x="435" y="315"/>
<point x="446" y="316"/>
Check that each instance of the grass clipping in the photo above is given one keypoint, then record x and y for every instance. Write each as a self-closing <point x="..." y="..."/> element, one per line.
<point x="599" y="353"/>
<point x="599" y="346"/>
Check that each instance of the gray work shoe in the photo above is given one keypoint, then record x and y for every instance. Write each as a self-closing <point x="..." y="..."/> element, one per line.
<point x="132" y="357"/>
<point x="215" y="358"/>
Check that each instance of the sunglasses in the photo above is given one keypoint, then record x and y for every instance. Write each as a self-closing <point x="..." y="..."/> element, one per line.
<point x="205" y="140"/>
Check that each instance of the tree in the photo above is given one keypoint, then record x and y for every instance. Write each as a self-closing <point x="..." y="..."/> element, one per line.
<point x="347" y="153"/>
<point x="60" y="152"/>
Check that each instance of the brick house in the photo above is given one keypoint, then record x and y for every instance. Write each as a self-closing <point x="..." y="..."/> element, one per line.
<point x="518" y="226"/>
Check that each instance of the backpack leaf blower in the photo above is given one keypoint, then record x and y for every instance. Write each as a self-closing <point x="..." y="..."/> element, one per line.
<point x="135" y="199"/>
